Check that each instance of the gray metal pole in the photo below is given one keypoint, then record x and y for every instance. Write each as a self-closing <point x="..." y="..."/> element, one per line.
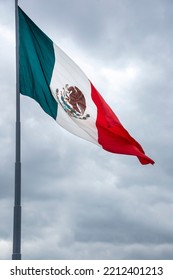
<point x="17" y="198"/>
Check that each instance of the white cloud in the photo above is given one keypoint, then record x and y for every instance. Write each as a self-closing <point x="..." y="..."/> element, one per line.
<point x="6" y="34"/>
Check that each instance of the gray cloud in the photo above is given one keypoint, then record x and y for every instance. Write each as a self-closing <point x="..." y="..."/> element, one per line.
<point x="80" y="202"/>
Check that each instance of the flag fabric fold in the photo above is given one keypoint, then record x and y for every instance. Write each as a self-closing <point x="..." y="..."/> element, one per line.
<point x="64" y="92"/>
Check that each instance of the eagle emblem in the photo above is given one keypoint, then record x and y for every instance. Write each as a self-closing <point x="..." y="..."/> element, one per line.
<point x="72" y="101"/>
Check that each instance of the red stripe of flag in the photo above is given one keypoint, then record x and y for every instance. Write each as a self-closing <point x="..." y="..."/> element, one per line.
<point x="112" y="136"/>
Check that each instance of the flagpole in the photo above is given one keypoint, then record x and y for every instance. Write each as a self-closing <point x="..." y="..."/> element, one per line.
<point x="17" y="196"/>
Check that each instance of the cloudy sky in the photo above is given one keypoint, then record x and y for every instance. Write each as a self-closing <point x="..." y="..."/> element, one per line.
<point x="79" y="201"/>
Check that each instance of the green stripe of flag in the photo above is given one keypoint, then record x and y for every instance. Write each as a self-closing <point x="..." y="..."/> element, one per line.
<point x="37" y="61"/>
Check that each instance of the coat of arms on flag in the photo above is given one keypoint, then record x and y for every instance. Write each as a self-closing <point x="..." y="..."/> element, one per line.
<point x="72" y="101"/>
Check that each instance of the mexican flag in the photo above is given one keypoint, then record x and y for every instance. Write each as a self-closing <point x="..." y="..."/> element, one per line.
<point x="64" y="92"/>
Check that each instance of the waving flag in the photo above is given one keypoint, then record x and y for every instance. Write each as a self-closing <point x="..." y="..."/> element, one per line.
<point x="64" y="92"/>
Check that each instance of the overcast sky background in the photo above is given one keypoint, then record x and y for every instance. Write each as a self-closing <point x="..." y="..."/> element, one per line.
<point x="79" y="201"/>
